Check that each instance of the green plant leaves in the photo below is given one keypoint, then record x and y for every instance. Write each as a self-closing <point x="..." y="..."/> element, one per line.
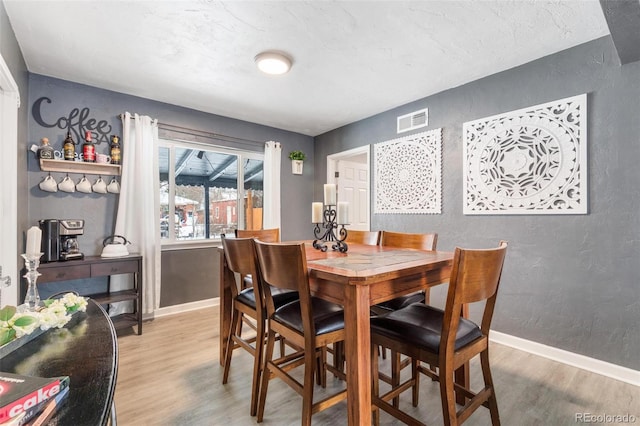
<point x="24" y="321"/>
<point x="7" y="335"/>
<point x="7" y="313"/>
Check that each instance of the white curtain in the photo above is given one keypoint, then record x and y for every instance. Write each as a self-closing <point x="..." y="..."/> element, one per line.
<point x="271" y="206"/>
<point x="138" y="217"/>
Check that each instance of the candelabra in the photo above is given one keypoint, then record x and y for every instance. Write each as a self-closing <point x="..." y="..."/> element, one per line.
<point x="325" y="231"/>
<point x="31" y="263"/>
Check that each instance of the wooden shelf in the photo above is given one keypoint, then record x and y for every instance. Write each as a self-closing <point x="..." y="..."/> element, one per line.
<point x="123" y="321"/>
<point x="115" y="296"/>
<point x="80" y="167"/>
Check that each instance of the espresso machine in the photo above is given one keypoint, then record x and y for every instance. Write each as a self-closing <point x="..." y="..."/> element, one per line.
<point x="60" y="239"/>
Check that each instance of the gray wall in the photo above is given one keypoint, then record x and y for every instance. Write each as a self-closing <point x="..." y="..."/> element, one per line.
<point x="570" y="281"/>
<point x="13" y="57"/>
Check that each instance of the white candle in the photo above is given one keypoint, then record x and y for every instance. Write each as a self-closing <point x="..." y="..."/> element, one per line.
<point x="34" y="241"/>
<point x="316" y="213"/>
<point x="343" y="212"/>
<point x="330" y="194"/>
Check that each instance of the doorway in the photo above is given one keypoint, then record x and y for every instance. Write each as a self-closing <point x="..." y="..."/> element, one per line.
<point x="9" y="103"/>
<point x="350" y="171"/>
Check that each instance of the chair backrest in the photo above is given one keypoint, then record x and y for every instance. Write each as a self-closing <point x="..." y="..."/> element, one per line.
<point x="265" y="235"/>
<point x="370" y="238"/>
<point x="406" y="240"/>
<point x="284" y="265"/>
<point x="475" y="276"/>
<point x="241" y="259"/>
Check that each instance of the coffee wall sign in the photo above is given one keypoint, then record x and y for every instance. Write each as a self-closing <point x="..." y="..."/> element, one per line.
<point x="78" y="121"/>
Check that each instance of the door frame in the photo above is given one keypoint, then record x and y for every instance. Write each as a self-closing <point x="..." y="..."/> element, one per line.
<point x="10" y="99"/>
<point x="332" y="167"/>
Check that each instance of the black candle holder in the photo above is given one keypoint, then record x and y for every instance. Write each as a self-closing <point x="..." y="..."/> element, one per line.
<point x="325" y="232"/>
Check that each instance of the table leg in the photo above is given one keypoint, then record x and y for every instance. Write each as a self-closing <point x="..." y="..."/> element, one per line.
<point x="358" y="354"/>
<point x="138" y="286"/>
<point x="225" y="304"/>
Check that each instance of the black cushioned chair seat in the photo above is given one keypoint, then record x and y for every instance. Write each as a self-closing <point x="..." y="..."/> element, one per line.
<point x="327" y="316"/>
<point x="420" y="325"/>
<point x="402" y="301"/>
<point x="280" y="297"/>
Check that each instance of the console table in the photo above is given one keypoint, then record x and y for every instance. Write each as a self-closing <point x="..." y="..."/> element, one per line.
<point x="86" y="350"/>
<point x="96" y="266"/>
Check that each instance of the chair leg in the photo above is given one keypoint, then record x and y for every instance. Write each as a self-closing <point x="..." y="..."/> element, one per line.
<point x="338" y="356"/>
<point x="310" y="360"/>
<point x="235" y="319"/>
<point x="282" y="348"/>
<point x="375" y="383"/>
<point x="449" y="415"/>
<point x="321" y="367"/>
<point x="488" y="383"/>
<point x="257" y="366"/>
<point x="395" y="374"/>
<point x="415" y="375"/>
<point x="266" y="374"/>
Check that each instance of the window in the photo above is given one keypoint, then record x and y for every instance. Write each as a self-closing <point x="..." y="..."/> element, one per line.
<point x="206" y="191"/>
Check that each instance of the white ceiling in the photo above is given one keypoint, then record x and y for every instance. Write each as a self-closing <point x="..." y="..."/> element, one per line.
<point x="352" y="59"/>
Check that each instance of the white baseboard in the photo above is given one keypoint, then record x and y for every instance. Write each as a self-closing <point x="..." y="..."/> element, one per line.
<point x="185" y="307"/>
<point x="597" y="366"/>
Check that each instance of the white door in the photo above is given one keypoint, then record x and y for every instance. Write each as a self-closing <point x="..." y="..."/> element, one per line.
<point x="9" y="102"/>
<point x="350" y="171"/>
<point x="353" y="187"/>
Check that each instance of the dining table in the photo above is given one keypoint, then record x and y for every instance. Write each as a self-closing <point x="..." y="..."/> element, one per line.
<point x="363" y="276"/>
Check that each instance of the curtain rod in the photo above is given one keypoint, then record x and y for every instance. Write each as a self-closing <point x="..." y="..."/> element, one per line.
<point x="203" y="133"/>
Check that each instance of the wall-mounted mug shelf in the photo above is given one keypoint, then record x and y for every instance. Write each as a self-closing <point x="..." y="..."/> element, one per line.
<point x="65" y="166"/>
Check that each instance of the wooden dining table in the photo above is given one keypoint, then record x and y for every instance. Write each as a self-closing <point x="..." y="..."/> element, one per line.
<point x="363" y="276"/>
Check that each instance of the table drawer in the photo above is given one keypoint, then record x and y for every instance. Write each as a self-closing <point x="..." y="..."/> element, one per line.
<point x="63" y="273"/>
<point x="114" y="268"/>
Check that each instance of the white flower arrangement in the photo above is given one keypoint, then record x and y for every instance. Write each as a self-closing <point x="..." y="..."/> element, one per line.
<point x="55" y="314"/>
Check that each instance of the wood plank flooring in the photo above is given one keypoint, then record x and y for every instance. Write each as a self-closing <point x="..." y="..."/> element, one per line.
<point x="171" y="376"/>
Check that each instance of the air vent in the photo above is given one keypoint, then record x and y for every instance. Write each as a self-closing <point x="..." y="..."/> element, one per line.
<point x="414" y="120"/>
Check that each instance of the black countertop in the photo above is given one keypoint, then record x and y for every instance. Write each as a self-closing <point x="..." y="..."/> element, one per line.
<point x="86" y="350"/>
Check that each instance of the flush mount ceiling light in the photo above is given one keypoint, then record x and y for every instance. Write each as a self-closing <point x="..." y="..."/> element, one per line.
<point x="273" y="63"/>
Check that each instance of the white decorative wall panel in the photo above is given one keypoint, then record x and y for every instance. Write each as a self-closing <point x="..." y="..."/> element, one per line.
<point x="529" y="161"/>
<point x="408" y="174"/>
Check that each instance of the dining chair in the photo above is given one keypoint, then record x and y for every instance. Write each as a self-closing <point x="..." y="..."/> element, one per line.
<point x="267" y="235"/>
<point x="240" y="259"/>
<point x="412" y="241"/>
<point x="444" y="338"/>
<point x="370" y="238"/>
<point x="310" y="323"/>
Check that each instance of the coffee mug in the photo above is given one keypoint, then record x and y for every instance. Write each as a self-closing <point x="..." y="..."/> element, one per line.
<point x="114" y="186"/>
<point x="84" y="185"/>
<point x="103" y="158"/>
<point x="100" y="186"/>
<point x="67" y="185"/>
<point x="49" y="184"/>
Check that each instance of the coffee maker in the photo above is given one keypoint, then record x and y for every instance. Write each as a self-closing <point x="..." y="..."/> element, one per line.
<point x="60" y="239"/>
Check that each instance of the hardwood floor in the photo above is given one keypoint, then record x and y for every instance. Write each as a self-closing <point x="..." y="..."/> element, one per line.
<point x="171" y="376"/>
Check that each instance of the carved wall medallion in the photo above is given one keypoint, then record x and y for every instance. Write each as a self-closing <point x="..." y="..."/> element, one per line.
<point x="408" y="174"/>
<point x="529" y="161"/>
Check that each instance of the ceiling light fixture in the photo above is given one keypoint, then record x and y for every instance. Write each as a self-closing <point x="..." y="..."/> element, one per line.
<point x="274" y="63"/>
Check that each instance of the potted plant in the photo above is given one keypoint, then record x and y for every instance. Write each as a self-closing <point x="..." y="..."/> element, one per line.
<point x="297" y="158"/>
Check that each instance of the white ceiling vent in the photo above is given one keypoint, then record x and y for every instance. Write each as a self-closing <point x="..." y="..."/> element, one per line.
<point x="414" y="120"/>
